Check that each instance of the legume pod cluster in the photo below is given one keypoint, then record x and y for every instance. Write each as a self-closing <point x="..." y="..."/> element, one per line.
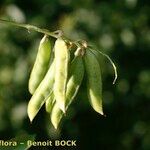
<point x="55" y="81"/>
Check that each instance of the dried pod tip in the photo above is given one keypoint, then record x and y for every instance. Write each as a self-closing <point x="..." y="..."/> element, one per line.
<point x="84" y="44"/>
<point x="82" y="52"/>
<point x="59" y="33"/>
<point x="69" y="44"/>
<point x="78" y="51"/>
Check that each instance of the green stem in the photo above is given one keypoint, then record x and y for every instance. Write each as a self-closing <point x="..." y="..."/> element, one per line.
<point x="54" y="34"/>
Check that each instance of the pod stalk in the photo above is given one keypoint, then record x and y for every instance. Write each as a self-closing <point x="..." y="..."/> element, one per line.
<point x="54" y="34"/>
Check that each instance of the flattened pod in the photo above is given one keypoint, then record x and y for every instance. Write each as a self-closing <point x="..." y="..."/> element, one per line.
<point x="41" y="64"/>
<point x="49" y="103"/>
<point x="94" y="83"/>
<point x="41" y="93"/>
<point x="74" y="82"/>
<point x="61" y="71"/>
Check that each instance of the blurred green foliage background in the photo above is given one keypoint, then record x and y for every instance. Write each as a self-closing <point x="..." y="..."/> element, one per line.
<point x="119" y="28"/>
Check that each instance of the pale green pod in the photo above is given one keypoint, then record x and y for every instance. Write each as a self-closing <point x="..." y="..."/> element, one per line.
<point x="94" y="82"/>
<point x="41" y="64"/>
<point x="76" y="74"/>
<point x="49" y="103"/>
<point x="61" y="71"/>
<point x="42" y="92"/>
<point x="56" y="115"/>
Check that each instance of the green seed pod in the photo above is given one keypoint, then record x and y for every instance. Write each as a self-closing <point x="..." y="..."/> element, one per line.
<point x="61" y="71"/>
<point x="41" y="64"/>
<point x="49" y="103"/>
<point x="98" y="56"/>
<point x="94" y="83"/>
<point x="76" y="74"/>
<point x="56" y="115"/>
<point x="42" y="93"/>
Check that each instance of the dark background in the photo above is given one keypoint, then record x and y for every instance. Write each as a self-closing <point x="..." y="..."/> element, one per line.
<point x="120" y="28"/>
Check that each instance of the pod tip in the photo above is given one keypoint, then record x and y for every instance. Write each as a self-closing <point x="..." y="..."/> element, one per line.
<point x="30" y="118"/>
<point x="62" y="107"/>
<point x="31" y="113"/>
<point x="55" y="123"/>
<point x="31" y="121"/>
<point x="100" y="112"/>
<point x="55" y="126"/>
<point x="64" y="110"/>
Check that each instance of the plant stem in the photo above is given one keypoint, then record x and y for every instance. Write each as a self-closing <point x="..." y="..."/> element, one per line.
<point x="54" y="34"/>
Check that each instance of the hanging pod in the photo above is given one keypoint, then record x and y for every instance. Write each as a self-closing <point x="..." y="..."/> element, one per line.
<point x="42" y="92"/>
<point x="62" y="55"/>
<point x="76" y="74"/>
<point x="94" y="82"/>
<point x="56" y="115"/>
<point x="41" y="64"/>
